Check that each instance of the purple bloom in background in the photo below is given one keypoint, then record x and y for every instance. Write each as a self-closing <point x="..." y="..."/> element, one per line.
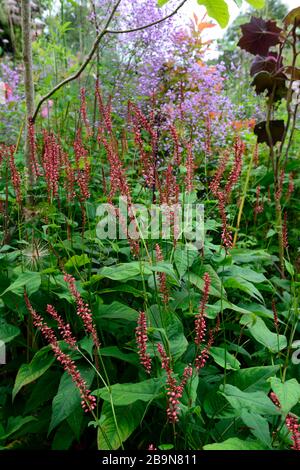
<point x="10" y="103"/>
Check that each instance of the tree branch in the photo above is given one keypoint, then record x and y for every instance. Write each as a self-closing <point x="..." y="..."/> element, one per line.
<point x="149" y="25"/>
<point x="94" y="48"/>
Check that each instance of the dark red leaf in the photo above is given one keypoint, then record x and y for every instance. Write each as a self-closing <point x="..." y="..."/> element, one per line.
<point x="268" y="64"/>
<point x="265" y="81"/>
<point x="259" y="35"/>
<point x="276" y="130"/>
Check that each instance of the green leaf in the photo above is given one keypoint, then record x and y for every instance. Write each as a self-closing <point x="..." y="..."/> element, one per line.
<point x="122" y="288"/>
<point x="257" y="402"/>
<point x="184" y="258"/>
<point x="115" y="310"/>
<point x="125" y="271"/>
<point x="15" y="423"/>
<point x="289" y="267"/>
<point x="245" y="273"/>
<point x="243" y="285"/>
<point x="8" y="332"/>
<point x="63" y="437"/>
<point x="128" y="418"/>
<point x="77" y="261"/>
<point x="262" y="334"/>
<point x="224" y="358"/>
<point x="253" y="378"/>
<point x="125" y="394"/>
<point x="218" y="10"/>
<point x="166" y="446"/>
<point x="234" y="443"/>
<point x="177" y="341"/>
<point x="161" y="3"/>
<point x="114" y="351"/>
<point x="258" y="425"/>
<point x="258" y="4"/>
<point x="197" y="281"/>
<point x="288" y="393"/>
<point x="30" y="372"/>
<point x="164" y="267"/>
<point x="68" y="397"/>
<point x="30" y="281"/>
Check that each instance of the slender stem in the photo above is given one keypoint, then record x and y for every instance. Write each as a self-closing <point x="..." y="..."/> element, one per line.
<point x="245" y="189"/>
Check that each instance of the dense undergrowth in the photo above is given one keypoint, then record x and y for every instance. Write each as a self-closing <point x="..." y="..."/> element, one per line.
<point x="140" y="342"/>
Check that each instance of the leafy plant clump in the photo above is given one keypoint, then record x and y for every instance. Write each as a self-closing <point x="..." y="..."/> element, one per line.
<point x="149" y="282"/>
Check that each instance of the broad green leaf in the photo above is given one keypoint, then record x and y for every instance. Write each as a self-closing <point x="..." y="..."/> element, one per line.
<point x="75" y="421"/>
<point x="243" y="285"/>
<point x="128" y="419"/>
<point x="224" y="358"/>
<point x="176" y="339"/>
<point x="258" y="426"/>
<point x="15" y="423"/>
<point x="68" y="397"/>
<point x="184" y="258"/>
<point x="234" y="443"/>
<point x="114" y="351"/>
<point x="77" y="261"/>
<point x="288" y="393"/>
<point x="63" y="437"/>
<point x="27" y="373"/>
<point x="164" y="267"/>
<point x="216" y="407"/>
<point x="197" y="281"/>
<point x="30" y="281"/>
<point x="259" y="309"/>
<point x="115" y="310"/>
<point x="258" y="4"/>
<point x="217" y="9"/>
<point x="8" y="332"/>
<point x="125" y="271"/>
<point x="123" y="288"/>
<point x="126" y="394"/>
<point x="173" y="332"/>
<point x="222" y="304"/>
<point x="262" y="334"/>
<point x="245" y="273"/>
<point x="253" y="378"/>
<point x="257" y="402"/>
<point x="242" y="255"/>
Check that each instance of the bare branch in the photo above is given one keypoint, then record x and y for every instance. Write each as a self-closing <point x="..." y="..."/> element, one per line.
<point x="83" y="65"/>
<point x="149" y="25"/>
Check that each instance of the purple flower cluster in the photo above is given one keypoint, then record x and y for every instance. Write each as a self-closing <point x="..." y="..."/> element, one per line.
<point x="10" y="101"/>
<point x="148" y="65"/>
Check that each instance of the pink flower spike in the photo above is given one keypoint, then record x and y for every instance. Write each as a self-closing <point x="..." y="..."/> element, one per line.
<point x="83" y="310"/>
<point x="88" y="401"/>
<point x="141" y="341"/>
<point x="64" y="328"/>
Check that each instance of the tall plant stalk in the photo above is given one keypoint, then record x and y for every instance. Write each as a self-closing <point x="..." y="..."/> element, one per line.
<point x="28" y="75"/>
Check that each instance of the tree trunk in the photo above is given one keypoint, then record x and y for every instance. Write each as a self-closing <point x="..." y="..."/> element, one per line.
<point x="28" y="76"/>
